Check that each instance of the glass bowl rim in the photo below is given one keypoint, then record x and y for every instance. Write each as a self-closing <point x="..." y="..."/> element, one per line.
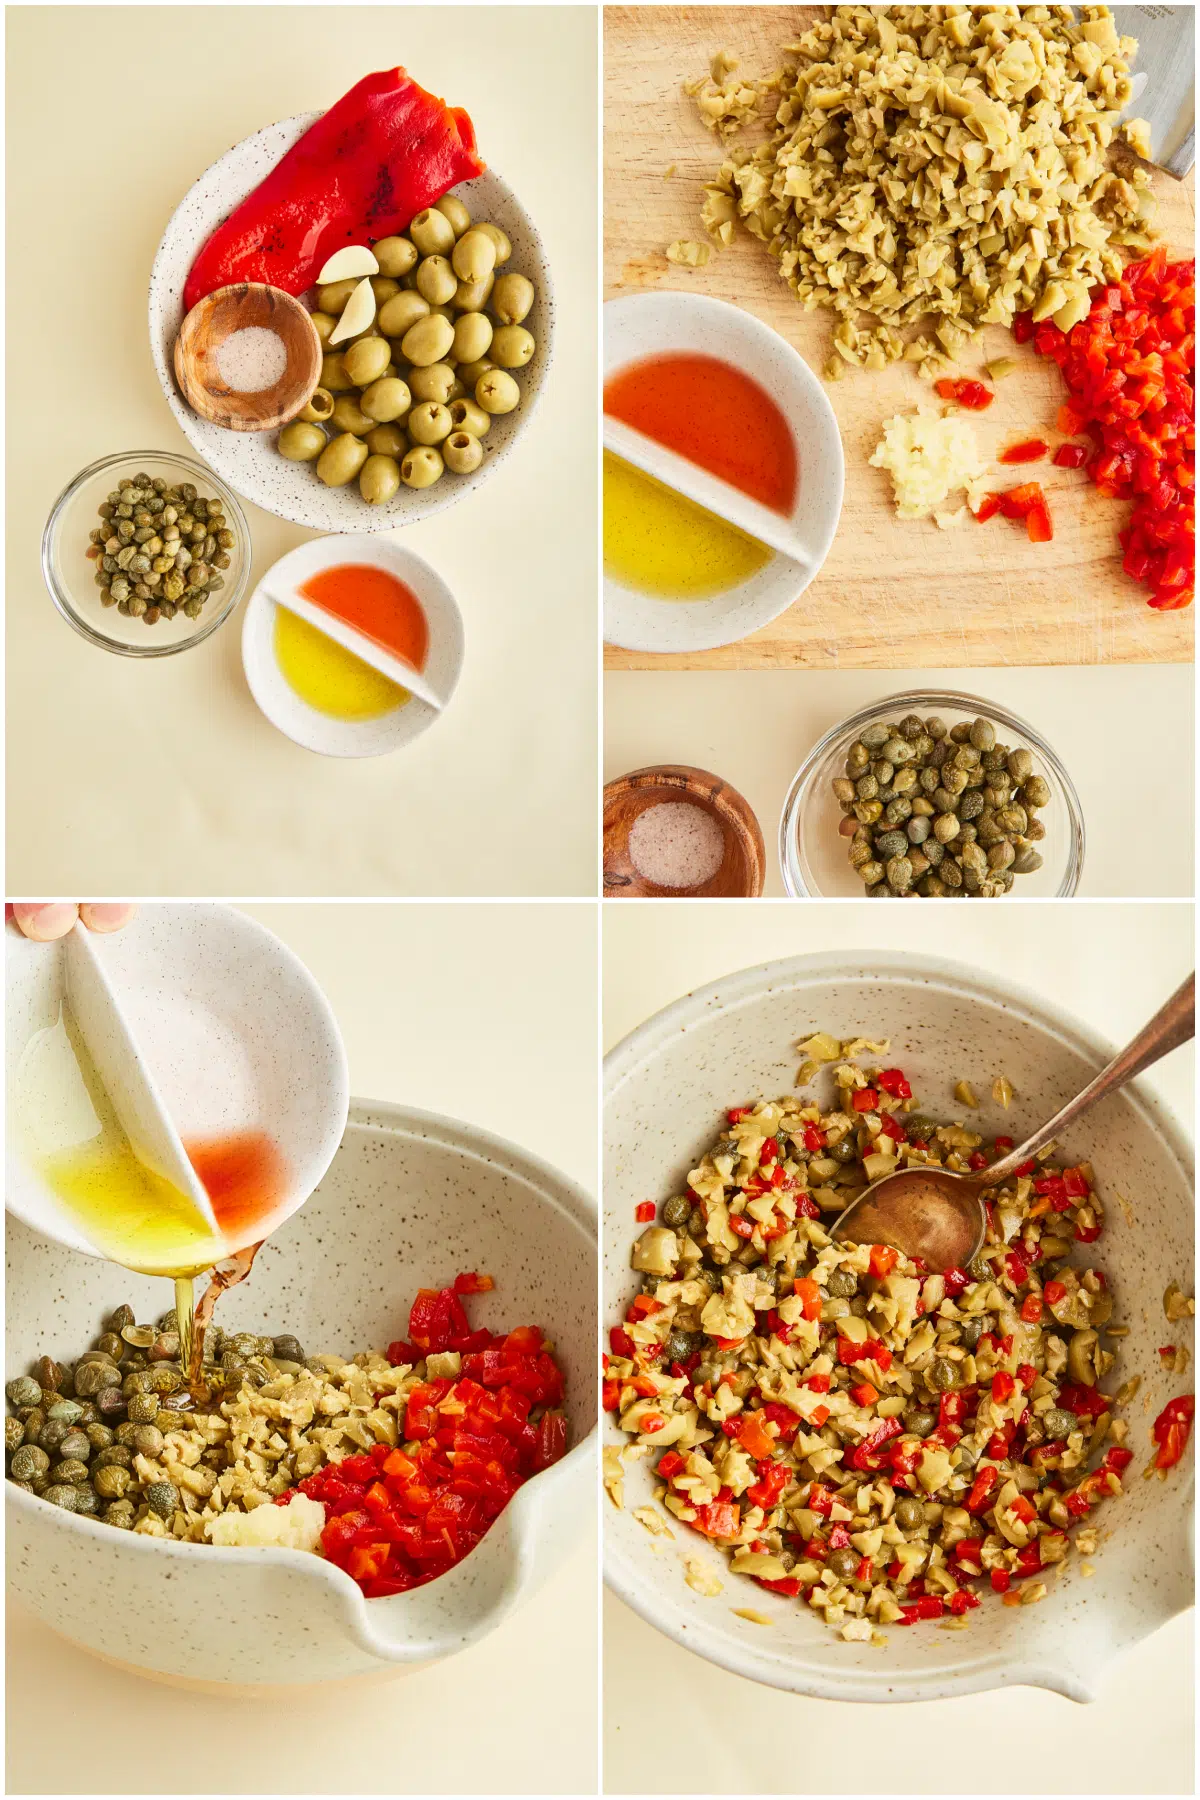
<point x="63" y="605"/>
<point x="949" y="697"/>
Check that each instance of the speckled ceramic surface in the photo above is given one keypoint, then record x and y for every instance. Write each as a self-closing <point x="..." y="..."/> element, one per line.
<point x="649" y="324"/>
<point x="351" y="737"/>
<point x="248" y="461"/>
<point x="234" y="1033"/>
<point x="409" y="1201"/>
<point x="667" y="1087"/>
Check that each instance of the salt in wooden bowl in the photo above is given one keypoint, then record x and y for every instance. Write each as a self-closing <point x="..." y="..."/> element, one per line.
<point x="743" y="861"/>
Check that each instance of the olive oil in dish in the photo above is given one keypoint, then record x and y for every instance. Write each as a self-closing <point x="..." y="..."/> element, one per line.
<point x="659" y="543"/>
<point x="331" y="678"/>
<point x="132" y="1214"/>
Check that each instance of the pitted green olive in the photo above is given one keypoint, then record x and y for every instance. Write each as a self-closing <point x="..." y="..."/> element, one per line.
<point x="341" y="460"/>
<point x="474" y="256"/>
<point x="473" y="337"/>
<point x="512" y="346"/>
<point x="379" y="479"/>
<point x="469" y="372"/>
<point x="400" y="312"/>
<point x="332" y="299"/>
<point x="428" y="341"/>
<point x="301" y="442"/>
<point x="468" y="417"/>
<point x="348" y="415"/>
<point x="456" y="212"/>
<point x="432" y="232"/>
<point x="334" y="378"/>
<point x="384" y="288"/>
<point x="429" y="423"/>
<point x="387" y="440"/>
<point x="473" y="296"/>
<point x="422" y="467"/>
<point x="386" y="399"/>
<point x="462" y="452"/>
<point x="396" y="256"/>
<point x="499" y="239"/>
<point x="497" y="392"/>
<point x="436" y="280"/>
<point x="436" y="382"/>
<point x="319" y="408"/>
<point x="325" y="325"/>
<point x="512" y="297"/>
<point x="366" y="360"/>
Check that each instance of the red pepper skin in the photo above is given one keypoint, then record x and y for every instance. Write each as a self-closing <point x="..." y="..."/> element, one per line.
<point x="380" y="154"/>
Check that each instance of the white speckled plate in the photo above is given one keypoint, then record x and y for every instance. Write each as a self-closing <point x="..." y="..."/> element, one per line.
<point x="410" y="1200"/>
<point x="650" y="324"/>
<point x="234" y="1033"/>
<point x="248" y="461"/>
<point x="667" y="1087"/>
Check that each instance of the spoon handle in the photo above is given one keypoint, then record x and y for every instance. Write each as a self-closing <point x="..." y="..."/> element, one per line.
<point x="1172" y="1025"/>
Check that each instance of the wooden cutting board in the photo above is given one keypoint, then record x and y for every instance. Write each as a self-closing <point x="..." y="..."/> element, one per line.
<point x="893" y="594"/>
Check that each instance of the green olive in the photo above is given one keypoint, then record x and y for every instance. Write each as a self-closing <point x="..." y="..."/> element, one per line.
<point x="512" y="346"/>
<point x="432" y="232"/>
<point x="400" y="312"/>
<point x="387" y="440"/>
<point x="338" y="464"/>
<point x="319" y="408"/>
<point x="367" y="359"/>
<point x="379" y="479"/>
<point x="435" y="382"/>
<point x="301" y="442"/>
<point x="910" y="1514"/>
<point x="512" y="297"/>
<point x="386" y="399"/>
<point x="473" y="296"/>
<point x="462" y="452"/>
<point x="472" y="337"/>
<point x="456" y="212"/>
<point x="325" y="325"/>
<point x="469" y="372"/>
<point x="436" y="280"/>
<point x="499" y="239"/>
<point x="497" y="392"/>
<point x="348" y="415"/>
<point x="332" y="299"/>
<point x="396" y="256"/>
<point x="474" y="256"/>
<point x="843" y="1563"/>
<point x="429" y="423"/>
<point x="469" y="417"/>
<point x="384" y="288"/>
<point x="428" y="341"/>
<point x="422" y="467"/>
<point x="334" y="378"/>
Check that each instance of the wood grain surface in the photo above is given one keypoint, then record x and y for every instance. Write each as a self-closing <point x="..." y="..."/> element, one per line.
<point x="893" y="594"/>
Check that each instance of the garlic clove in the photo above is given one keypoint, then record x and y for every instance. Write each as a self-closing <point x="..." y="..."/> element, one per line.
<point x="345" y="264"/>
<point x="359" y="313"/>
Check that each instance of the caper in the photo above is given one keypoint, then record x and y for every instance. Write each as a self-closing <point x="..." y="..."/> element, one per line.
<point x="676" y="1211"/>
<point x="24" y="1391"/>
<point x="910" y="1514"/>
<point x="28" y="1462"/>
<point x="843" y="1563"/>
<point x="919" y="1420"/>
<point x="1057" y="1423"/>
<point x="970" y="1332"/>
<point x="842" y="1283"/>
<point x="844" y="1151"/>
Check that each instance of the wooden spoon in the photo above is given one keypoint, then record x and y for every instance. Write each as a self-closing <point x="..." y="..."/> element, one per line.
<point x="939" y="1216"/>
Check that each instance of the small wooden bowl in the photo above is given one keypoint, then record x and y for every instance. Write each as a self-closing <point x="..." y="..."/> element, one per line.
<point x="216" y="318"/>
<point x="743" y="865"/>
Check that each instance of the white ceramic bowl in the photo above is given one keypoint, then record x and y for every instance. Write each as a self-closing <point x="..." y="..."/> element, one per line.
<point x="249" y="461"/>
<point x="648" y="325"/>
<point x="667" y="1087"/>
<point x="230" y="1026"/>
<point x="314" y="730"/>
<point x="409" y="1201"/>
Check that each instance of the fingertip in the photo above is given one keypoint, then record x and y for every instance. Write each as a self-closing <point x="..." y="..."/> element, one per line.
<point x="110" y="916"/>
<point x="45" y="921"/>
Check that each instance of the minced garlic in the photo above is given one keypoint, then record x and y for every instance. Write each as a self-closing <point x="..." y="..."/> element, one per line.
<point x="929" y="457"/>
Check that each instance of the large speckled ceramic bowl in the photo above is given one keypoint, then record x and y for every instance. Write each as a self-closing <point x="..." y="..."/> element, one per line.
<point x="667" y="1087"/>
<point x="644" y="325"/>
<point x="410" y="1200"/>
<point x="249" y="461"/>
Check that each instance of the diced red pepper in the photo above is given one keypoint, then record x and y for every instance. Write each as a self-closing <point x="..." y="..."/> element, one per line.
<point x="987" y="509"/>
<point x="645" y="1212"/>
<point x="736" y="1114"/>
<point x="810" y="1294"/>
<point x="894" y="1082"/>
<point x="971" y="394"/>
<point x="864" y="1099"/>
<point x="1031" y="1309"/>
<point x="1172" y="1429"/>
<point x="890" y="1126"/>
<point x="1070" y="456"/>
<point x="985" y="1483"/>
<point x="1053" y="1292"/>
<point x="1084" y="1402"/>
<point x="956" y="1280"/>
<point x="1001" y="1581"/>
<point x="1029" y="450"/>
<point x="473" y="1284"/>
<point x="883" y="1260"/>
<point x="751" y="1433"/>
<point x="1003" y="1386"/>
<point x="770" y="1150"/>
<point x="814" y="1139"/>
<point x="864" y="1394"/>
<point x="620" y="1343"/>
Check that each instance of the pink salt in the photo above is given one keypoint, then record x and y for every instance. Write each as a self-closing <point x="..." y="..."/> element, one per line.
<point x="676" y="845"/>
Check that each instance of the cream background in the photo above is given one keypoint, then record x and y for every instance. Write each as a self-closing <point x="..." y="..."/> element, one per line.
<point x="1113" y="965"/>
<point x="488" y="1013"/>
<point x="163" y="777"/>
<point x="1124" y="733"/>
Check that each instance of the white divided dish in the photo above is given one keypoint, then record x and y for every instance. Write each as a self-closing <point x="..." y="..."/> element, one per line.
<point x="200" y="1023"/>
<point x="318" y="731"/>
<point x="408" y="1201"/>
<point x="667" y="1087"/>
<point x="645" y="325"/>
<point x="249" y="461"/>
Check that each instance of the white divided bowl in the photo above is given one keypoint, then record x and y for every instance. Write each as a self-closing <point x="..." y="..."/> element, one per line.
<point x="667" y="1088"/>
<point x="232" y="1029"/>
<point x="645" y="325"/>
<point x="314" y="730"/>
<point x="249" y="461"/>
<point x="409" y="1201"/>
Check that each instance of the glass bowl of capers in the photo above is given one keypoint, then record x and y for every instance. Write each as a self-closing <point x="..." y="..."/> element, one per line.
<point x="932" y="795"/>
<point x="146" y="553"/>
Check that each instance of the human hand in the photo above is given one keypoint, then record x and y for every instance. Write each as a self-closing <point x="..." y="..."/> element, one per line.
<point x="43" y="921"/>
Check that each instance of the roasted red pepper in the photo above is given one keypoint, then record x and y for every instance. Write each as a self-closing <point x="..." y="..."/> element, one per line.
<point x="1032" y="450"/>
<point x="1171" y="1430"/>
<point x="382" y="153"/>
